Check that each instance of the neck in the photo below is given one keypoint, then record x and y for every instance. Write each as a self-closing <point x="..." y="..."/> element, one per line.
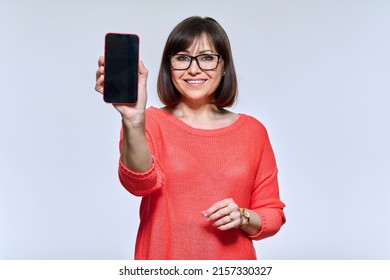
<point x="207" y="116"/>
<point x="203" y="112"/>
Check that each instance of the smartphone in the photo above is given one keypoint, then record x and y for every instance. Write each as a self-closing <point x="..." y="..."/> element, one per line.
<point x="121" y="53"/>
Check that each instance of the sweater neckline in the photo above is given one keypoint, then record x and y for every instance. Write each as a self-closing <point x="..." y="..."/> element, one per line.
<point x="200" y="131"/>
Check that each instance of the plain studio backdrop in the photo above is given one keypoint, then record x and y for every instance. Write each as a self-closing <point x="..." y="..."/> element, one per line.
<point x="316" y="73"/>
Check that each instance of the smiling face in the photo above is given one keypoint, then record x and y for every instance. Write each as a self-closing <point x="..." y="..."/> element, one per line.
<point x="194" y="84"/>
<point x="192" y="37"/>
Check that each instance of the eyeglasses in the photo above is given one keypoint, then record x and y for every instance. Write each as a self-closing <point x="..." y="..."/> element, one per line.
<point x="204" y="61"/>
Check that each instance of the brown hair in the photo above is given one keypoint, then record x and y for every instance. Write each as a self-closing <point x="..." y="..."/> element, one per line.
<point x="181" y="38"/>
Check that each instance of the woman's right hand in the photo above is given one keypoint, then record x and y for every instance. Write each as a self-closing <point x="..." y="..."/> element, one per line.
<point x="134" y="113"/>
<point x="135" y="152"/>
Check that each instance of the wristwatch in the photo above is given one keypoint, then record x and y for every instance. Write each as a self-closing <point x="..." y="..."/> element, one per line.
<point x="246" y="216"/>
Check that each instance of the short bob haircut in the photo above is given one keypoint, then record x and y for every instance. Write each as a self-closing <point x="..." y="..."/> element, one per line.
<point x="180" y="39"/>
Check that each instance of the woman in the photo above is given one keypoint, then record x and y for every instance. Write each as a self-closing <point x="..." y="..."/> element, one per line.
<point x="207" y="176"/>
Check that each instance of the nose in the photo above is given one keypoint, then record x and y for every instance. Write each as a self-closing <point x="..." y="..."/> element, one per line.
<point x="194" y="67"/>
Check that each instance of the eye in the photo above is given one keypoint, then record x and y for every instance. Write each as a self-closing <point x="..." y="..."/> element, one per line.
<point x="182" y="57"/>
<point x="208" y="57"/>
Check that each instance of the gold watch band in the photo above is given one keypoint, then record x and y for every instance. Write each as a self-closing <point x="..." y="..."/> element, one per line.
<point x="246" y="216"/>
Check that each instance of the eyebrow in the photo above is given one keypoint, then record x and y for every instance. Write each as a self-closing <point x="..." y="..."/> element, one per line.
<point x="201" y="52"/>
<point x="207" y="51"/>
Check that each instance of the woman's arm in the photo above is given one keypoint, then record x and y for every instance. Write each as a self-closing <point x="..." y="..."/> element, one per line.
<point x="135" y="153"/>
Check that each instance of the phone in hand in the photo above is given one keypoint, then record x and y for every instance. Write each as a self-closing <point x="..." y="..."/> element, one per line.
<point x="121" y="54"/>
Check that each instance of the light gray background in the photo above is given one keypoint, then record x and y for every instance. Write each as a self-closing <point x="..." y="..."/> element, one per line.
<point x="316" y="73"/>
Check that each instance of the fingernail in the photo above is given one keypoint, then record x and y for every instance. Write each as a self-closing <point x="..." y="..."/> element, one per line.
<point x="204" y="213"/>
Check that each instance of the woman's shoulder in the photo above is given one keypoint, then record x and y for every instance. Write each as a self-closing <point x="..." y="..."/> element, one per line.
<point x="155" y="118"/>
<point x="154" y="113"/>
<point x="252" y="121"/>
<point x="152" y="110"/>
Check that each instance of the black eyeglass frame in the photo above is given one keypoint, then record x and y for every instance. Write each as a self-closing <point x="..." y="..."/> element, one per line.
<point x="196" y="59"/>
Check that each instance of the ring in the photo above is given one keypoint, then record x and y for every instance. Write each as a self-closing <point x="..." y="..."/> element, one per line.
<point x="231" y="217"/>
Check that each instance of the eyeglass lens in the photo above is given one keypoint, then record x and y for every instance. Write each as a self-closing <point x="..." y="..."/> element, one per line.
<point x="204" y="61"/>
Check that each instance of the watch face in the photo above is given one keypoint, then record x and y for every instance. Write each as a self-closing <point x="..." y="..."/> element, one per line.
<point x="246" y="213"/>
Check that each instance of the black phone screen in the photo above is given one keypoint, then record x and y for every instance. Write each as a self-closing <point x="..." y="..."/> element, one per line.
<point x="121" y="68"/>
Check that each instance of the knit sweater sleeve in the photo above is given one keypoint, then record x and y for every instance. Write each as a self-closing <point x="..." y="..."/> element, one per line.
<point x="265" y="196"/>
<point x="143" y="184"/>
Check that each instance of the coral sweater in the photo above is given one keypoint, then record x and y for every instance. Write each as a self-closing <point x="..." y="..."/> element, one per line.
<point x="192" y="169"/>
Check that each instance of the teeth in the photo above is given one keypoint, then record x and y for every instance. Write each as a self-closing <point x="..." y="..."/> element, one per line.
<point x="195" y="81"/>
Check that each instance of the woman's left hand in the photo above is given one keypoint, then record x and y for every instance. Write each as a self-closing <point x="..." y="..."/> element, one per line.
<point x="224" y="215"/>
